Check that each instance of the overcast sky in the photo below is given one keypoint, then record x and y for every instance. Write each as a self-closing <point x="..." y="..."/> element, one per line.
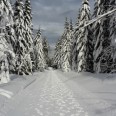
<point x="50" y="15"/>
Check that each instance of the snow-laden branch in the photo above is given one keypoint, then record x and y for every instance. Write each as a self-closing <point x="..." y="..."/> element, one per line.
<point x="25" y="57"/>
<point x="99" y="18"/>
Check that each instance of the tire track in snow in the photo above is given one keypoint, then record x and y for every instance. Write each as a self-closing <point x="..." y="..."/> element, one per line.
<point x="57" y="100"/>
<point x="46" y="97"/>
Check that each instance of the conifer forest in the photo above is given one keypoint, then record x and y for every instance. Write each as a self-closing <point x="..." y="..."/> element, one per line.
<point x="77" y="79"/>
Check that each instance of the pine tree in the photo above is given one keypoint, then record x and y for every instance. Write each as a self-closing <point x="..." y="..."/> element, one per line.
<point x="10" y="33"/>
<point x="84" y="41"/>
<point x="113" y="34"/>
<point x="95" y="13"/>
<point x="57" y="55"/>
<point x="71" y="41"/>
<point x="66" y="44"/>
<point x="89" y="52"/>
<point x="71" y="31"/>
<point x="6" y="49"/>
<point x="46" y="50"/>
<point x="28" y="23"/>
<point x="74" y="44"/>
<point x="10" y="25"/>
<point x="62" y="56"/>
<point x="102" y="41"/>
<point x="22" y="48"/>
<point x="6" y="52"/>
<point x="40" y="63"/>
<point x="28" y="33"/>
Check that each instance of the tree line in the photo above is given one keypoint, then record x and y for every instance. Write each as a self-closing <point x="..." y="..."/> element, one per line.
<point x="20" y="52"/>
<point x="89" y="48"/>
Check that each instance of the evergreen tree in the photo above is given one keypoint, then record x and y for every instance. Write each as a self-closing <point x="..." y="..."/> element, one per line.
<point x="57" y="55"/>
<point x="89" y="52"/>
<point x="113" y="34"/>
<point x="6" y="52"/>
<point x="28" y="23"/>
<point x="7" y="24"/>
<point x="102" y="41"/>
<point x="6" y="49"/>
<point x="40" y="63"/>
<point x="84" y="41"/>
<point x="62" y="57"/>
<point x="65" y="50"/>
<point x="95" y="13"/>
<point x="23" y="64"/>
<point x="65" y="47"/>
<point x="10" y="25"/>
<point x="74" y="43"/>
<point x="71" y="41"/>
<point x="46" y="50"/>
<point x="28" y="33"/>
<point x="10" y="36"/>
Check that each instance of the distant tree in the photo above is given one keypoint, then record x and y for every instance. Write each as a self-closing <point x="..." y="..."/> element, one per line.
<point x="62" y="56"/>
<point x="40" y="63"/>
<point x="57" y="55"/>
<point x="65" y="50"/>
<point x="70" y="42"/>
<point x="46" y="50"/>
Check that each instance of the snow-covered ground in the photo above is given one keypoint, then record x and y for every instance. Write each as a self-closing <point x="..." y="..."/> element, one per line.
<point x="54" y="93"/>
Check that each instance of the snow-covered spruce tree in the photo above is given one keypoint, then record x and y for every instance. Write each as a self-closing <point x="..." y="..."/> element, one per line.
<point x="113" y="34"/>
<point x="6" y="50"/>
<point x="66" y="47"/>
<point x="57" y="55"/>
<point x="74" y="53"/>
<point x="28" y="33"/>
<point x="84" y="43"/>
<point x="102" y="40"/>
<point x="40" y="63"/>
<point x="71" y="41"/>
<point x="8" y="24"/>
<point x="45" y="50"/>
<point x="71" y="28"/>
<point x="22" y="47"/>
<point x="62" y="56"/>
<point x="95" y="24"/>
<point x="95" y="13"/>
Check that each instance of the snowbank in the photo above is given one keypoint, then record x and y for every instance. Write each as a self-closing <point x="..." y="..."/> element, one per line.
<point x="17" y="84"/>
<point x="97" y="91"/>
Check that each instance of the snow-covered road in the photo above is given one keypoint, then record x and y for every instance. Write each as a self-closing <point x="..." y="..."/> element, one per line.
<point x="52" y="95"/>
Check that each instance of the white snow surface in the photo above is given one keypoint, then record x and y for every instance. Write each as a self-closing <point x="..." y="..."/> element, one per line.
<point x="55" y="93"/>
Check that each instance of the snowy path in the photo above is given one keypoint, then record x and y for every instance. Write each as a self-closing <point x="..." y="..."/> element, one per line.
<point x="50" y="95"/>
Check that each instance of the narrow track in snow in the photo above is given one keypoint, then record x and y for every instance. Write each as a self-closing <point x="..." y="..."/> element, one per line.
<point x="55" y="94"/>
<point x="48" y="96"/>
